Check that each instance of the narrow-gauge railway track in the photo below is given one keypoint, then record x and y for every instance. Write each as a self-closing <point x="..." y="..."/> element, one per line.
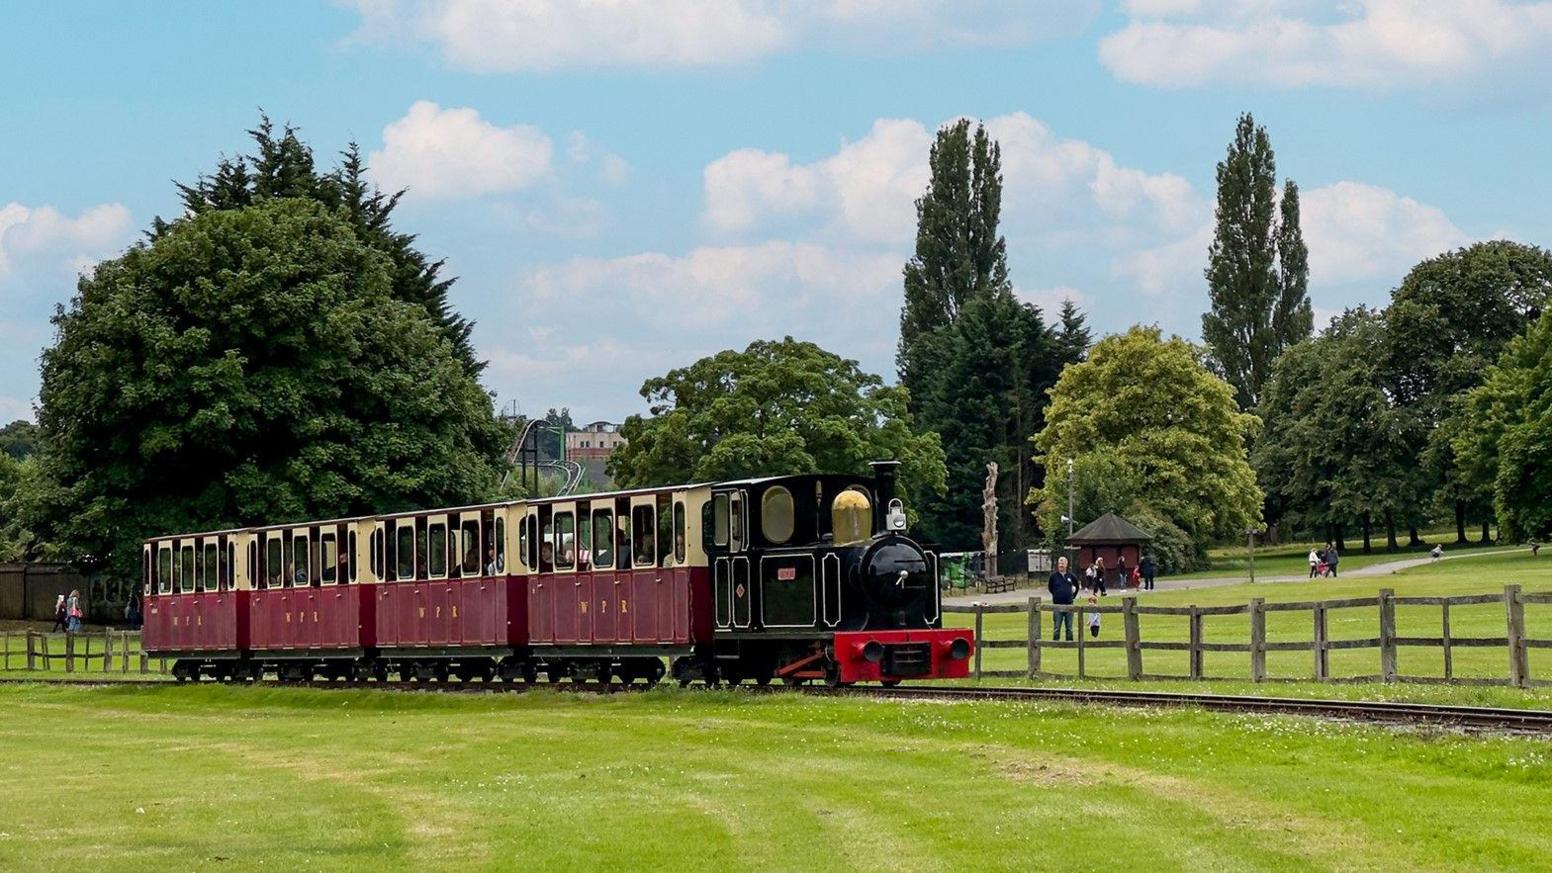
<point x="1482" y="718"/>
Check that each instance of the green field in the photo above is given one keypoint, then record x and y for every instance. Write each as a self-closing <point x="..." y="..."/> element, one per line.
<point x="1486" y="573"/>
<point x="231" y="778"/>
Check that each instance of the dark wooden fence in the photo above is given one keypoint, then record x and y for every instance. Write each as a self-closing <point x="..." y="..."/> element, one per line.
<point x="116" y="651"/>
<point x="1514" y="641"/>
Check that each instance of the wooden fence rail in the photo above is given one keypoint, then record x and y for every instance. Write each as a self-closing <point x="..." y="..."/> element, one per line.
<point x="105" y="651"/>
<point x="1386" y="640"/>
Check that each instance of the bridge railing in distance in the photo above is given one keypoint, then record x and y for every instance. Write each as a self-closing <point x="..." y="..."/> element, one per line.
<point x="1319" y="646"/>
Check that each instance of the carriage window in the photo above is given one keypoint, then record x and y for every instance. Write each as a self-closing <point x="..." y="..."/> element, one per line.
<point x="736" y="522"/>
<point x="438" y="548"/>
<point x="253" y="565"/>
<point x="164" y="569"/>
<point x="420" y="548"/>
<point x="645" y="530"/>
<point x="719" y="520"/>
<point x="299" y="567"/>
<point x="679" y="532"/>
<point x="145" y="573"/>
<point x="851" y="517"/>
<point x="186" y="568"/>
<point x="374" y="558"/>
<point x="501" y="544"/>
<point x="665" y="530"/>
<point x="406" y="547"/>
<point x="275" y="563"/>
<point x="471" y="547"/>
<point x="776" y="515"/>
<point x="603" y="537"/>
<point x="525" y="543"/>
<point x="229" y="568"/>
<point x="565" y="540"/>
<point x="622" y="540"/>
<point x="350" y="558"/>
<point x="328" y="557"/>
<point x="584" y="538"/>
<point x="210" y="573"/>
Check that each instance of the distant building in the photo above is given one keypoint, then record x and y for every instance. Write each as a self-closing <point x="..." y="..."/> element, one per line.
<point x="591" y="447"/>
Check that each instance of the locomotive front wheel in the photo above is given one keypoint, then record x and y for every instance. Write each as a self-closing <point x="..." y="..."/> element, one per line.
<point x="889" y="683"/>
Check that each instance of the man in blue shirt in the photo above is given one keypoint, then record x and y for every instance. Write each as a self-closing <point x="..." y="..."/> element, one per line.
<point x="1063" y="587"/>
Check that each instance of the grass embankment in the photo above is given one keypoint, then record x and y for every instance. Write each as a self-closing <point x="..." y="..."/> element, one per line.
<point x="162" y="777"/>
<point x="1474" y="575"/>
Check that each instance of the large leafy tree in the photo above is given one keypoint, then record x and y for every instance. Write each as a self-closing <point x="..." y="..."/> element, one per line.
<point x="282" y="165"/>
<point x="774" y="408"/>
<point x="1258" y="266"/>
<point x="19" y="439"/>
<point x="1145" y="411"/>
<point x="252" y="364"/>
<point x="1333" y="448"/>
<point x="975" y="360"/>
<point x="1508" y="446"/>
<point x="1449" y="320"/>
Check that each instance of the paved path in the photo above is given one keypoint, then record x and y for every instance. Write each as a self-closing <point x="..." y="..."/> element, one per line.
<point x="1166" y="584"/>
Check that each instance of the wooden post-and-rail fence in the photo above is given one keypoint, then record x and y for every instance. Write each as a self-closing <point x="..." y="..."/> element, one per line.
<point x="116" y="650"/>
<point x="1514" y="641"/>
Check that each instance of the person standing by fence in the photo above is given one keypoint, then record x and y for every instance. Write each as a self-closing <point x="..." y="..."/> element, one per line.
<point x="61" y="615"/>
<point x="73" y="610"/>
<point x="1064" y="588"/>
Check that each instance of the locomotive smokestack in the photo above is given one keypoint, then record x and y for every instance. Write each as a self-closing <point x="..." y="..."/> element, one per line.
<point x="884" y="474"/>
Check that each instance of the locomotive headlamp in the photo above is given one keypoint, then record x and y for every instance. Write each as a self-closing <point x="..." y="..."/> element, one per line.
<point x="896" y="517"/>
<point x="959" y="649"/>
<point x="873" y="651"/>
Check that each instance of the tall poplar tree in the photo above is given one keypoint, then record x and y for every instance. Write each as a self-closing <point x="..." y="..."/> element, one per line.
<point x="976" y="360"/>
<point x="1258" y="267"/>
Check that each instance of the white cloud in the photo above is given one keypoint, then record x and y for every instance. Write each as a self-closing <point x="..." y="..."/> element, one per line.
<point x="11" y="409"/>
<point x="1358" y="231"/>
<point x="545" y="35"/>
<point x="1354" y="231"/>
<point x="453" y="153"/>
<point x="866" y="190"/>
<point x="1050" y="300"/>
<point x="570" y="217"/>
<point x="1368" y="43"/>
<point x="611" y="167"/>
<point x="45" y="231"/>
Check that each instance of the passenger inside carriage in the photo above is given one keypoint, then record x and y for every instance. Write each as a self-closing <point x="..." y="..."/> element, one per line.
<point x="490" y="561"/>
<point x="547" y="558"/>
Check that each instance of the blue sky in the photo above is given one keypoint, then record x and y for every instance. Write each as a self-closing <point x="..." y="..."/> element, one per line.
<point x="622" y="187"/>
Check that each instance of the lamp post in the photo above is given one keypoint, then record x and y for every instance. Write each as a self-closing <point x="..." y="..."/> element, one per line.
<point x="1069" y="513"/>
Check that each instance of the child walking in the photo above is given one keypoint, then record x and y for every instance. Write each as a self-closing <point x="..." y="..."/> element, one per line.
<point x="1093" y="617"/>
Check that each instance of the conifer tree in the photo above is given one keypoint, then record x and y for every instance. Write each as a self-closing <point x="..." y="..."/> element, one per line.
<point x="1258" y="267"/>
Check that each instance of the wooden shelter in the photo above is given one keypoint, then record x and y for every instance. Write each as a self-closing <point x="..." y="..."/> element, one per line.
<point x="1110" y="537"/>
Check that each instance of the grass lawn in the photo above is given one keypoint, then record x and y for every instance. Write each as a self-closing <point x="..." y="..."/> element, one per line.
<point x="1474" y="575"/>
<point x="158" y="777"/>
<point x="1292" y="559"/>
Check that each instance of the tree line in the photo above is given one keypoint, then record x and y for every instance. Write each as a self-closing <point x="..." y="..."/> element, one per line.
<point x="282" y="350"/>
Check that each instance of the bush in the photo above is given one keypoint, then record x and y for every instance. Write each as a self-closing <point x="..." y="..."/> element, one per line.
<point x="1172" y="548"/>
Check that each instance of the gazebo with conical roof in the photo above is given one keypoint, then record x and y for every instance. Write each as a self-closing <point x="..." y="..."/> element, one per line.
<point x="1112" y="538"/>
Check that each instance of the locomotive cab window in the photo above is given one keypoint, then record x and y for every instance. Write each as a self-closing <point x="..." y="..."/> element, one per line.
<point x="642" y="526"/>
<point x="777" y="515"/>
<point x="851" y="517"/>
<point x="719" y="520"/>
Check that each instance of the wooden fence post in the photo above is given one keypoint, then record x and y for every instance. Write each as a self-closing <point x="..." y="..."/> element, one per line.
<point x="32" y="657"/>
<point x="980" y="611"/>
<point x="1034" y="636"/>
<point x="1449" y="658"/>
<point x="124" y="649"/>
<point x="1257" y="639"/>
<point x="1387" y="635"/>
<point x="107" y="649"/>
<point x="69" y="653"/>
<point x="1196" y="642"/>
<point x="1133" y="637"/>
<point x="1076" y="615"/>
<point x="1514" y="613"/>
<point x="1322" y="657"/>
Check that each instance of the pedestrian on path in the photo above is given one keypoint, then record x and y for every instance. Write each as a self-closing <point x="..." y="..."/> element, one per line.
<point x="1064" y="588"/>
<point x="61" y="616"/>
<point x="73" y="609"/>
<point x="1099" y="575"/>
<point x="1331" y="559"/>
<point x="1148" y="568"/>
<point x="1314" y="561"/>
